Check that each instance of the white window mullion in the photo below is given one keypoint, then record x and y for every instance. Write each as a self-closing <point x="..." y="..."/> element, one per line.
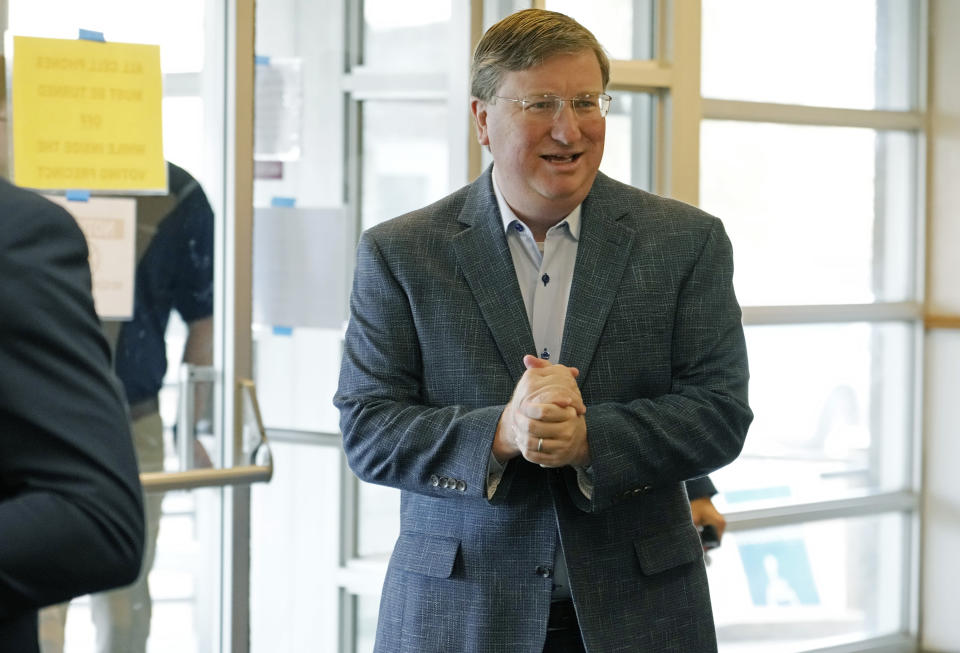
<point x="867" y="503"/>
<point x="714" y="109"/>
<point x="818" y="314"/>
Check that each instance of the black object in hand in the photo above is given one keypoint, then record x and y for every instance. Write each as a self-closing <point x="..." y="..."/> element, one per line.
<point x="709" y="538"/>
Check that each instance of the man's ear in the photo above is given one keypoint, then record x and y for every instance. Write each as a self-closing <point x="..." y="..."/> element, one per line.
<point x="479" y="110"/>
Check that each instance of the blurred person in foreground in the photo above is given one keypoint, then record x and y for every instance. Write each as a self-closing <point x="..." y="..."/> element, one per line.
<point x="539" y="361"/>
<point x="71" y="514"/>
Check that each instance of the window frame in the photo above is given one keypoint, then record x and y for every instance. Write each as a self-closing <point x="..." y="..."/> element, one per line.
<point x="861" y="503"/>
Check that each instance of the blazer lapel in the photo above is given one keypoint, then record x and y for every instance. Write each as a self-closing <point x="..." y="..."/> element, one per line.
<point x="485" y="260"/>
<point x="602" y="255"/>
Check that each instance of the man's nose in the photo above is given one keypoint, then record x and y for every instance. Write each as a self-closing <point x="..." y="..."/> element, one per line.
<point x="566" y="124"/>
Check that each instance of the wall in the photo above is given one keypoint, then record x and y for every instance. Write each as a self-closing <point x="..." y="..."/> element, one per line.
<point x="940" y="628"/>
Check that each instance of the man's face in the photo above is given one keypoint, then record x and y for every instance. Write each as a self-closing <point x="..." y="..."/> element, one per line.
<point x="545" y="168"/>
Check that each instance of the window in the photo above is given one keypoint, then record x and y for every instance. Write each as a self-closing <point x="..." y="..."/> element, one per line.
<point x="858" y="54"/>
<point x="817" y="214"/>
<point x="628" y="155"/>
<point x="402" y="169"/>
<point x="409" y="37"/>
<point x="810" y="585"/>
<point x="381" y="134"/>
<point x="810" y="155"/>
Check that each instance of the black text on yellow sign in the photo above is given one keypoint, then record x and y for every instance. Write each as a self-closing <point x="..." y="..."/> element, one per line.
<point x="87" y="115"/>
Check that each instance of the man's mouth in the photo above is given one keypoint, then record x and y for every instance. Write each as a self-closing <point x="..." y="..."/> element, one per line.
<point x="561" y="158"/>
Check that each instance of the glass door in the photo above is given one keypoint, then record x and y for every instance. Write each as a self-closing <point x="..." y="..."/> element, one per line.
<point x="182" y="351"/>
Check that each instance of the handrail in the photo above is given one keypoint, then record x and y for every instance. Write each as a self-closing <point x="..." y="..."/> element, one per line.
<point x="194" y="478"/>
<point x="259" y="469"/>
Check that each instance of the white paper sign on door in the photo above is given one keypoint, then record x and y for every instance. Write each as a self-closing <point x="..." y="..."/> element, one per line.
<point x="109" y="224"/>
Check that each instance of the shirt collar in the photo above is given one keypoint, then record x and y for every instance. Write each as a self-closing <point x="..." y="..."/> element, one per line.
<point x="509" y="217"/>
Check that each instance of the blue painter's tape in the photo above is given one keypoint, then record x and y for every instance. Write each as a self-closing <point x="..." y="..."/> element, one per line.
<point x="261" y="60"/>
<point x="78" y="195"/>
<point x="282" y="331"/>
<point x="288" y="202"/>
<point x="91" y="35"/>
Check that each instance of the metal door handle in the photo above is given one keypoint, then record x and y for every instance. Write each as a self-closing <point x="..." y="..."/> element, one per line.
<point x="259" y="467"/>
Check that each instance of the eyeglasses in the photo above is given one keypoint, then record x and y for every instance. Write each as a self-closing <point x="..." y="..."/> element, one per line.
<point x="548" y="107"/>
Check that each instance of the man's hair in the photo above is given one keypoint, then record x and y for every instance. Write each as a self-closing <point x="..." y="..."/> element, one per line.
<point x="526" y="39"/>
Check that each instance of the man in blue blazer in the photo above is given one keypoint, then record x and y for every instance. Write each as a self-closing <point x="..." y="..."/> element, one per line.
<point x="539" y="361"/>
<point x="71" y="514"/>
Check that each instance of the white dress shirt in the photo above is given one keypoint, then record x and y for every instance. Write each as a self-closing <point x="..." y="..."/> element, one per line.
<point x="545" y="274"/>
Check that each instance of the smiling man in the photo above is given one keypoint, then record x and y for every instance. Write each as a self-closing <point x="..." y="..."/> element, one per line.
<point x="538" y="362"/>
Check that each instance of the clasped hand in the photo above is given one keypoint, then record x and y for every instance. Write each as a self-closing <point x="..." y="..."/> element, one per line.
<point x="543" y="422"/>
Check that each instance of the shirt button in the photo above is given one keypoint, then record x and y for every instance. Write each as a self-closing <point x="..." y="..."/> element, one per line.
<point x="545" y="355"/>
<point x="545" y="572"/>
<point x="545" y="279"/>
<point x="518" y="226"/>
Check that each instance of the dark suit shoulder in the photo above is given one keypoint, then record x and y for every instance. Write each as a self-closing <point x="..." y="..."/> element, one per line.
<point x="648" y="210"/>
<point x="27" y="216"/>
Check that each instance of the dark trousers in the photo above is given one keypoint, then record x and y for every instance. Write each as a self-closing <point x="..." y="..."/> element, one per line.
<point x="563" y="631"/>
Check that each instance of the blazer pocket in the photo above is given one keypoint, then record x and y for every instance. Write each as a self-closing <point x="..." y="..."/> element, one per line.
<point x="429" y="555"/>
<point x="667" y="549"/>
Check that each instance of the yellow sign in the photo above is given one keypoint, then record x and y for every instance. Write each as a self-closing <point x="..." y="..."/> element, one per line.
<point x="87" y="115"/>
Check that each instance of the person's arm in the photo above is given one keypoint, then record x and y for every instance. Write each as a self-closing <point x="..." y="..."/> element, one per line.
<point x="700" y="492"/>
<point x="198" y="349"/>
<point x="700" y="422"/>
<point x="699" y="488"/>
<point x="390" y="436"/>
<point x="71" y="514"/>
<point x="706" y="514"/>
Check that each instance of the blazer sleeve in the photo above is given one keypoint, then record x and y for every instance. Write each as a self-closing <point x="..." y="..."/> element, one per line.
<point x="71" y="513"/>
<point x="389" y="435"/>
<point x="699" y="488"/>
<point x="699" y="424"/>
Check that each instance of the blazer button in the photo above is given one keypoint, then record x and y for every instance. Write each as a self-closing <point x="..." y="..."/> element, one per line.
<point x="434" y="480"/>
<point x="545" y="572"/>
<point x="461" y="486"/>
<point x="443" y="481"/>
<point x="451" y="483"/>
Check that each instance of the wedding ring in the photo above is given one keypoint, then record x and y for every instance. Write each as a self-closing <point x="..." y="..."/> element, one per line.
<point x="539" y="445"/>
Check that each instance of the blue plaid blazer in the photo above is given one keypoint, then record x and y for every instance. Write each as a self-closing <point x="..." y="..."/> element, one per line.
<point x="433" y="351"/>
